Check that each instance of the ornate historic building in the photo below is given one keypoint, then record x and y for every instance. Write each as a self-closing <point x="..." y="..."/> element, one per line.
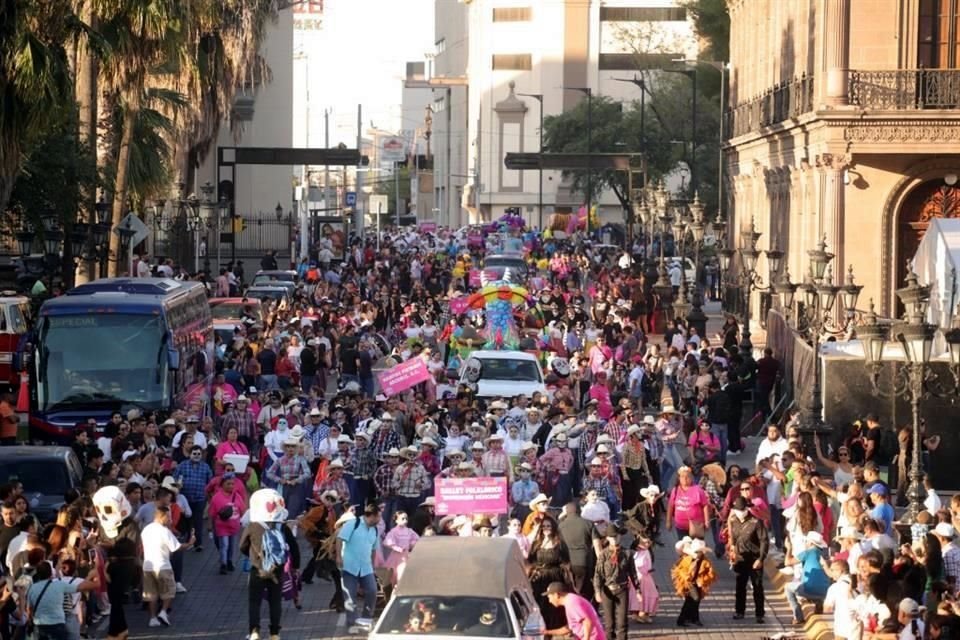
<point x="844" y="121"/>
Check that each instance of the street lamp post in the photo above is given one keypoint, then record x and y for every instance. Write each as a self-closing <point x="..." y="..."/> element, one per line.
<point x="663" y="287"/>
<point x="913" y="380"/>
<point x="587" y="91"/>
<point x="539" y="98"/>
<point x="747" y="277"/>
<point x="815" y="318"/>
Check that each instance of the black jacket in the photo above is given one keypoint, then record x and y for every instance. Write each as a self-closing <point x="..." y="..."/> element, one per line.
<point x="718" y="407"/>
<point x="749" y="538"/>
<point x="614" y="575"/>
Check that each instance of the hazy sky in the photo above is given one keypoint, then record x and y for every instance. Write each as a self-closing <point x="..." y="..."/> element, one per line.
<point x="359" y="57"/>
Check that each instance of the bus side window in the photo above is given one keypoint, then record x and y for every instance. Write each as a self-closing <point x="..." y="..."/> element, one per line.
<point x="3" y="318"/>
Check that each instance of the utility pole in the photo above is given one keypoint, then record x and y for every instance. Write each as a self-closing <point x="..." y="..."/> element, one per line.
<point x="396" y="190"/>
<point x="539" y="98"/>
<point x="359" y="174"/>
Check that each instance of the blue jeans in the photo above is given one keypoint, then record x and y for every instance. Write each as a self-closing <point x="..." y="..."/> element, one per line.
<point x="350" y="584"/>
<point x="793" y="592"/>
<point x="776" y="523"/>
<point x="720" y="430"/>
<point x="268" y="383"/>
<point x="228" y="547"/>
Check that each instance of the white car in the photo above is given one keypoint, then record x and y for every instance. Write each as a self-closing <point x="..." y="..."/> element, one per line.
<point x="503" y="373"/>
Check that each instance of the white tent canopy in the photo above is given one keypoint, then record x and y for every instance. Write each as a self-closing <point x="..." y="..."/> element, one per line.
<point x="937" y="263"/>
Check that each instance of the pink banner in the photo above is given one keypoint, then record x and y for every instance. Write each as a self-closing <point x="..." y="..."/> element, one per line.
<point x="403" y="376"/>
<point x="458" y="305"/>
<point x="474" y="280"/>
<point x="428" y="227"/>
<point x="475" y="240"/>
<point x="470" y="495"/>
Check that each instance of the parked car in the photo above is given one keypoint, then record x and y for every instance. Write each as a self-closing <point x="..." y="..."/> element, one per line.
<point x="512" y="261"/>
<point x="47" y="473"/>
<point x="503" y="373"/>
<point x="496" y="601"/>
<point x="284" y="275"/>
<point x="270" y="293"/>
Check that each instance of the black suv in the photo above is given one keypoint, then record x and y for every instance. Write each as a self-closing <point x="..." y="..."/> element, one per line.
<point x="47" y="473"/>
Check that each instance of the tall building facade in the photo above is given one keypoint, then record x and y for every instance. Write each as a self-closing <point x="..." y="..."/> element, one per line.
<point x="844" y="123"/>
<point x="491" y="55"/>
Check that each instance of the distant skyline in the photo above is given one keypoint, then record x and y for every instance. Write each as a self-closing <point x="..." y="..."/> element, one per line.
<point x="370" y="40"/>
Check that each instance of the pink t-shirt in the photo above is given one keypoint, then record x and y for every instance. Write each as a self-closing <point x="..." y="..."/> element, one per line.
<point x="579" y="609"/>
<point x="688" y="505"/>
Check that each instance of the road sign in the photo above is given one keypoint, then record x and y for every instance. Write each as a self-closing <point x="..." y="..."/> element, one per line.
<point x="135" y="224"/>
<point x="379" y="204"/>
<point x="351" y="198"/>
<point x="392" y="149"/>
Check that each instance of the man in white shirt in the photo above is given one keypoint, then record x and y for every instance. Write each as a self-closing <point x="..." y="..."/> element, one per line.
<point x="839" y="601"/>
<point x="199" y="439"/>
<point x="143" y="267"/>
<point x="159" y="584"/>
<point x="774" y="444"/>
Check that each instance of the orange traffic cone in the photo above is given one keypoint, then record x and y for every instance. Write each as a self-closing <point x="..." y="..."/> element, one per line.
<point x="23" y="396"/>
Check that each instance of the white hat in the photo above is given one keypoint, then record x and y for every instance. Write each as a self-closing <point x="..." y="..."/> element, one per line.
<point x="563" y="437"/>
<point x="477" y="446"/>
<point x="134" y="414"/>
<point x="171" y="483"/>
<point x="385" y="416"/>
<point x="168" y="422"/>
<point x="344" y="439"/>
<point x="526" y="446"/>
<point x="697" y="545"/>
<point x="596" y="462"/>
<point x="242" y="398"/>
<point x="944" y="530"/>
<point x="364" y="435"/>
<point x="380" y="398"/>
<point x="592" y="419"/>
<point x="498" y="404"/>
<point x="330" y="493"/>
<point x="524" y="466"/>
<point x="293" y="403"/>
<point x="336" y="463"/>
<point x="651" y="491"/>
<point x="291" y="441"/>
<point x="409" y="452"/>
<point x="634" y="429"/>
<point x="604" y="438"/>
<point x="315" y="412"/>
<point x="538" y="499"/>
<point x="453" y="453"/>
<point x="429" y="441"/>
<point x="815" y="538"/>
<point x="602" y="448"/>
<point x="392" y="453"/>
<point x="297" y="432"/>
<point x="649" y="419"/>
<point x="429" y="501"/>
<point x="910" y="607"/>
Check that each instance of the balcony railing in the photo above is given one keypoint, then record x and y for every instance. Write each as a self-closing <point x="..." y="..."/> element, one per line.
<point x="781" y="102"/>
<point x="905" y="89"/>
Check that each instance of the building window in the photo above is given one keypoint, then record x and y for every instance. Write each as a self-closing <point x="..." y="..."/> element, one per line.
<point x="511" y="14"/>
<point x="643" y="14"/>
<point x="416" y="71"/>
<point x="939" y="34"/>
<point x="512" y="62"/>
<point x="636" y="61"/>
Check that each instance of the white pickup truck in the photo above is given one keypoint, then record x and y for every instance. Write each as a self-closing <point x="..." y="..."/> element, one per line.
<point x="503" y="373"/>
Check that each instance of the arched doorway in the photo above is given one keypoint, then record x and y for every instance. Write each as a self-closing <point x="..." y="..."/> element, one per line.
<point x="931" y="199"/>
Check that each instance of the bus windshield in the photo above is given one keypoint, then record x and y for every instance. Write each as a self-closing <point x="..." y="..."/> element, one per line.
<point x="101" y="359"/>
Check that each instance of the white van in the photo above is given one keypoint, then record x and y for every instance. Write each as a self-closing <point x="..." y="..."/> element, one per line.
<point x="455" y="587"/>
<point x="503" y="374"/>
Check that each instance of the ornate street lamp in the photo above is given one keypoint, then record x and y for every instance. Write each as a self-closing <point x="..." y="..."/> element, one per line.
<point x="912" y="380"/>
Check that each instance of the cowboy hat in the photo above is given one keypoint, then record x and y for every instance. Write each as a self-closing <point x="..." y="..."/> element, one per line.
<point x="849" y="533"/>
<point x="596" y="462"/>
<point x="171" y="483"/>
<point x="409" y="452"/>
<point x="494" y="437"/>
<point x="602" y="448"/>
<point x="592" y="419"/>
<point x="424" y="428"/>
<point x="392" y="453"/>
<point x="633" y="430"/>
<point x="336" y="463"/>
<point x="385" y="416"/>
<point x="363" y="434"/>
<point x="604" y="438"/>
<point x="498" y="405"/>
<point x="716" y="473"/>
<point x="650" y="420"/>
<point x="313" y="412"/>
<point x="456" y="453"/>
<point x="482" y="523"/>
<point x="538" y="499"/>
<point x="477" y="446"/>
<point x="297" y="432"/>
<point x="697" y="546"/>
<point x="430" y="442"/>
<point x="651" y="491"/>
<point x="526" y="446"/>
<point x="815" y="538"/>
<point x="345" y="518"/>
<point x="667" y="409"/>
<point x="344" y="439"/>
<point x="429" y="501"/>
<point x="466" y="466"/>
<point x="291" y="441"/>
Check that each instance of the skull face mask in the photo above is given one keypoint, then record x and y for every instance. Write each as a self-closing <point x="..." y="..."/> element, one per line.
<point x="112" y="509"/>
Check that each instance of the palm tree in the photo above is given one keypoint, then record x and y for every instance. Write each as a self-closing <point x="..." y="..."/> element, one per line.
<point x="145" y="36"/>
<point x="34" y="77"/>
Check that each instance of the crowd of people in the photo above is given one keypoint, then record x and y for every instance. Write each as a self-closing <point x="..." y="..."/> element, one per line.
<point x="626" y="452"/>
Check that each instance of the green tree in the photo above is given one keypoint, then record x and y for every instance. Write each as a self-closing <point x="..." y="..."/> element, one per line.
<point x="711" y="21"/>
<point x="662" y="135"/>
<point x="384" y="185"/>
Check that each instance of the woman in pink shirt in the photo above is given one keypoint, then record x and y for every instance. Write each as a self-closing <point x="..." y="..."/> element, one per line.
<point x="689" y="506"/>
<point x="226" y="508"/>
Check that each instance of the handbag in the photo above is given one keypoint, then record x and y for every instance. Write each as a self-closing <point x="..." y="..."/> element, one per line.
<point x="225" y="512"/>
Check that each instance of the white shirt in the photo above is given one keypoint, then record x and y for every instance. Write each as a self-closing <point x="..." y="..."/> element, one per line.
<point x="105" y="444"/>
<point x="840" y="600"/>
<point x="165" y="270"/>
<point x="932" y="502"/>
<point x="199" y="439"/>
<point x="143" y="269"/>
<point x="771" y="447"/>
<point x="158" y="543"/>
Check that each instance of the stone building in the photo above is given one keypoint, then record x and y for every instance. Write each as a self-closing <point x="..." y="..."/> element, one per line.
<point x="844" y="122"/>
